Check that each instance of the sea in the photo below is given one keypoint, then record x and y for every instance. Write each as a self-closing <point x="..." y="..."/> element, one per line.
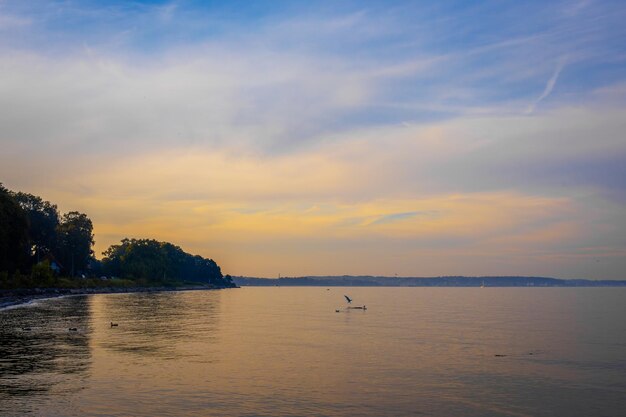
<point x="298" y="351"/>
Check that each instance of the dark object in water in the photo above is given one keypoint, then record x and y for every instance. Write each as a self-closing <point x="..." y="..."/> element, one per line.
<point x="26" y="329"/>
<point x="358" y="308"/>
<point x="499" y="356"/>
<point x="72" y="329"/>
<point x="113" y="324"/>
<point x="336" y="311"/>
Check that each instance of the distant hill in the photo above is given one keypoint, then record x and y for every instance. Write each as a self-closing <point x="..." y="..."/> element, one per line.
<point x="450" y="281"/>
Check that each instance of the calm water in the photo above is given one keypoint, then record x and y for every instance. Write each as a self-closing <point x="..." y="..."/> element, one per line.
<point x="286" y="352"/>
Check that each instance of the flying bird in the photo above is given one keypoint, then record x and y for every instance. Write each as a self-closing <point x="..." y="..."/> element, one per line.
<point x="348" y="298"/>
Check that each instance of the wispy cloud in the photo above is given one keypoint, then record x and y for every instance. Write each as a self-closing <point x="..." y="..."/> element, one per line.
<point x="394" y="217"/>
<point x="11" y="22"/>
<point x="549" y="85"/>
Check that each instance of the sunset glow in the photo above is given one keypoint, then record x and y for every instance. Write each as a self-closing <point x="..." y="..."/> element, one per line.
<point x="329" y="138"/>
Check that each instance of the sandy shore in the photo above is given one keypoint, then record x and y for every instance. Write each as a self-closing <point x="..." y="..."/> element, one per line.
<point x="10" y="298"/>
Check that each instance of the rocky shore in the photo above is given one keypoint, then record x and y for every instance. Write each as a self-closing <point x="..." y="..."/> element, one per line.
<point x="23" y="296"/>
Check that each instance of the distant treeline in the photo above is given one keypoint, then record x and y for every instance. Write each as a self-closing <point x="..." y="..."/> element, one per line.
<point x="453" y="281"/>
<point x="40" y="247"/>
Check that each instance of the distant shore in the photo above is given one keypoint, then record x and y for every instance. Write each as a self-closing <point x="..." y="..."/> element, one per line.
<point x="10" y="298"/>
<point x="443" y="281"/>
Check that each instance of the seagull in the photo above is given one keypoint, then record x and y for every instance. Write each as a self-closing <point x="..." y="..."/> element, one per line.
<point x="348" y="298"/>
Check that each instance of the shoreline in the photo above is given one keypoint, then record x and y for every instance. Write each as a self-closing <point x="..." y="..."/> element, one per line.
<point x="20" y="297"/>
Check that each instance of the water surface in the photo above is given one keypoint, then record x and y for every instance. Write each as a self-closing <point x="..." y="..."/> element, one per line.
<point x="285" y="351"/>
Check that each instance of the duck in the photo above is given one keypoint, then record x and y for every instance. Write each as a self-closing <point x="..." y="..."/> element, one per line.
<point x="72" y="329"/>
<point x="114" y="324"/>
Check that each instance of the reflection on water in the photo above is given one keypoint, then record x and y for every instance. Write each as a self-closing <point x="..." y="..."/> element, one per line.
<point x="162" y="325"/>
<point x="285" y="351"/>
<point x="38" y="353"/>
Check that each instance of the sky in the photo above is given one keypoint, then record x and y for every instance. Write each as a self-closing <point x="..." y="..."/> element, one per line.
<point x="328" y="137"/>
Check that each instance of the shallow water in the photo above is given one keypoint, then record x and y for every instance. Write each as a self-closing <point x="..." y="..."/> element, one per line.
<point x="284" y="351"/>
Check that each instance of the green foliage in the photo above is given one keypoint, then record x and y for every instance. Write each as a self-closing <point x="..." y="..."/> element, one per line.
<point x="42" y="275"/>
<point x="149" y="262"/>
<point x="66" y="282"/>
<point x="31" y="230"/>
<point x="18" y="280"/>
<point x="123" y="283"/>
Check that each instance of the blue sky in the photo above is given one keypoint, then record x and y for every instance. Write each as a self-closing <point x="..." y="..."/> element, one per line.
<point x="484" y="53"/>
<point x="234" y="127"/>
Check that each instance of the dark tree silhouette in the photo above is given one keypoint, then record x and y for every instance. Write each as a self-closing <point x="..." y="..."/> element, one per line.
<point x="43" y="219"/>
<point x="75" y="237"/>
<point x="13" y="233"/>
<point x="148" y="260"/>
<point x="30" y="226"/>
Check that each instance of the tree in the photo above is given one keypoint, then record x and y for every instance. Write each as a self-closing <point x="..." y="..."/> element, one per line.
<point x="42" y="275"/>
<point x="75" y="237"/>
<point x="152" y="261"/>
<point x="13" y="233"/>
<point x="43" y="219"/>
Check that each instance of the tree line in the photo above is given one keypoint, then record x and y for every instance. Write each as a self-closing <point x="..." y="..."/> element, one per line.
<point x="148" y="260"/>
<point x="40" y="247"/>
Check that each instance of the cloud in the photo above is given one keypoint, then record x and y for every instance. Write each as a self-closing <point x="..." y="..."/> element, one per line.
<point x="549" y="85"/>
<point x="9" y="22"/>
<point x="493" y="186"/>
<point x="576" y="7"/>
<point x="389" y="218"/>
<point x="252" y="89"/>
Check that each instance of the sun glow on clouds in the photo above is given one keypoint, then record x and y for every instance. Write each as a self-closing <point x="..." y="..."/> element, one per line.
<point x="235" y="208"/>
<point x="328" y="142"/>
